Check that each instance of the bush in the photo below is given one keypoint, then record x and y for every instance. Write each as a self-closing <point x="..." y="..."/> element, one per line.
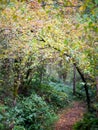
<point x="33" y="113"/>
<point x="89" y="122"/>
<point x="55" y="98"/>
<point x="36" y="112"/>
<point x="3" y="118"/>
<point x="19" y="128"/>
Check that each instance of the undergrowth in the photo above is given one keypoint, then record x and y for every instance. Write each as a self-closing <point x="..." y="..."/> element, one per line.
<point x="37" y="111"/>
<point x="89" y="122"/>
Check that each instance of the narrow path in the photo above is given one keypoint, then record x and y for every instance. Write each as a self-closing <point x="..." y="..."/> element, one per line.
<point x="70" y="116"/>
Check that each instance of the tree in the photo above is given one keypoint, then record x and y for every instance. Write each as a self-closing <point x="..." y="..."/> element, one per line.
<point x="49" y="30"/>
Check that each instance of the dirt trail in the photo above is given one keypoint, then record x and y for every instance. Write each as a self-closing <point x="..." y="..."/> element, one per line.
<point x="70" y="116"/>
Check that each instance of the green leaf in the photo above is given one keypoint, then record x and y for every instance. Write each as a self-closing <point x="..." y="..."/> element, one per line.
<point x="96" y="1"/>
<point x="19" y="128"/>
<point x="1" y="117"/>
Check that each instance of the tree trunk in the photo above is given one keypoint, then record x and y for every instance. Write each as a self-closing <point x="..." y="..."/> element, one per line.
<point x="97" y="87"/>
<point x="74" y="80"/>
<point x="85" y="86"/>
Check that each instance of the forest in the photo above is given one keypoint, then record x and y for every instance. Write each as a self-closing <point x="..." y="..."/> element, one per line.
<point x="48" y="65"/>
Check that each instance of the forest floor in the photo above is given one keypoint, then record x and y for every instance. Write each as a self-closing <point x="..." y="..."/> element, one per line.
<point x="69" y="116"/>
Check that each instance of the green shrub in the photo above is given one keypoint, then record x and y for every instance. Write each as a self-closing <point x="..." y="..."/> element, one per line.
<point x="80" y="91"/>
<point x="33" y="113"/>
<point x="55" y="98"/>
<point x="19" y="128"/>
<point x="2" y="127"/>
<point x="89" y="122"/>
<point x="3" y="118"/>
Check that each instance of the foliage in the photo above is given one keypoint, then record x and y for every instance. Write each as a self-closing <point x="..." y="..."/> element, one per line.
<point x="36" y="112"/>
<point x="89" y="122"/>
<point x="33" y="113"/>
<point x="61" y="87"/>
<point x="39" y="43"/>
<point x="26" y="45"/>
<point x="30" y="113"/>
<point x="55" y="98"/>
<point x="19" y="128"/>
<point x="4" y="125"/>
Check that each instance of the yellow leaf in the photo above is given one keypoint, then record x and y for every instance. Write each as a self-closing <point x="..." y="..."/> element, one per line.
<point x="82" y="8"/>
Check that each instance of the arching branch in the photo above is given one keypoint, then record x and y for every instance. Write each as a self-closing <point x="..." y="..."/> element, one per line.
<point x="80" y="73"/>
